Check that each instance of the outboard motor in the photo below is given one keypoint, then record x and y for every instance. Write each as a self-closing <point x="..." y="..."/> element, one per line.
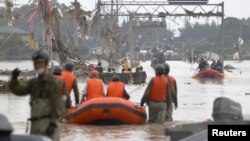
<point x="6" y="130"/>
<point x="225" y="112"/>
<point x="226" y="109"/>
<point x="5" y="127"/>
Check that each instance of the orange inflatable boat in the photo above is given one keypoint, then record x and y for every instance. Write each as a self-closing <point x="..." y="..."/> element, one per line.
<point x="107" y="111"/>
<point x="209" y="74"/>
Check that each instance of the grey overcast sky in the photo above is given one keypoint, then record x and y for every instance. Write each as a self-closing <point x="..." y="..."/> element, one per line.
<point x="233" y="8"/>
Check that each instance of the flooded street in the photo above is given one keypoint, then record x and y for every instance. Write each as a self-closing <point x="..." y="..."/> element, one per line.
<point x="195" y="103"/>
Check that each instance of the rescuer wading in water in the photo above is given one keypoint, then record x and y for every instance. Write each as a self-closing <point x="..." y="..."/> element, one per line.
<point x="45" y="97"/>
<point x="172" y="93"/>
<point x="155" y="96"/>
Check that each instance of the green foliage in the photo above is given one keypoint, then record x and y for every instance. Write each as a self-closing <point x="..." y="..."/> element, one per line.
<point x="15" y="49"/>
<point x="234" y="28"/>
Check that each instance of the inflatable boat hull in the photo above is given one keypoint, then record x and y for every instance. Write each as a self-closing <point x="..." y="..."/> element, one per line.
<point x="209" y="74"/>
<point x="107" y="111"/>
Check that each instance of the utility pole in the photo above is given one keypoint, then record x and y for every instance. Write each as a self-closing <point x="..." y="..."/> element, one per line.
<point x="77" y="7"/>
<point x="117" y="12"/>
<point x="222" y="35"/>
<point x="98" y="22"/>
<point x="112" y="8"/>
<point x="47" y="38"/>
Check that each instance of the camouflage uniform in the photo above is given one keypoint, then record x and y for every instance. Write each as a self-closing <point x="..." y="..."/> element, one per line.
<point x="45" y="102"/>
<point x="99" y="69"/>
<point x="172" y="100"/>
<point x="107" y="77"/>
<point x="64" y="92"/>
<point x="139" y="77"/>
<point x="157" y="110"/>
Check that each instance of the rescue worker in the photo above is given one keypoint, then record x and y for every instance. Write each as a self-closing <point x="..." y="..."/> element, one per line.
<point x="143" y="75"/>
<point x="117" y="89"/>
<point x="155" y="96"/>
<point x="213" y="65"/>
<point x="123" y="70"/>
<point x="139" y="76"/>
<point x="94" y="87"/>
<point x="107" y="77"/>
<point x="71" y="81"/>
<point x="136" y="76"/>
<point x="219" y="66"/>
<point x="172" y="93"/>
<point x="203" y="64"/>
<point x="45" y="97"/>
<point x="57" y="73"/>
<point x="99" y="67"/>
<point x="110" y="70"/>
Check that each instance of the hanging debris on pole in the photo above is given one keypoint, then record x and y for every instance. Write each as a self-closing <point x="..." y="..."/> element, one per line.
<point x="52" y="36"/>
<point x="10" y="14"/>
<point x="79" y="16"/>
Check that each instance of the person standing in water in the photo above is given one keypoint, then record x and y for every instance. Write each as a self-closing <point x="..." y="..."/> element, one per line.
<point x="71" y="81"/>
<point x="172" y="93"/>
<point x="155" y="96"/>
<point x="45" y="97"/>
<point x="117" y="89"/>
<point x="94" y="87"/>
<point x="61" y="82"/>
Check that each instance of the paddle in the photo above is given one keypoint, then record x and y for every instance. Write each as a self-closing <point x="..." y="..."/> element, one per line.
<point x="135" y="89"/>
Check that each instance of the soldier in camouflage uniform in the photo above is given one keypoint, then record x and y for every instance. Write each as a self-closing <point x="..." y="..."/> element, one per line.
<point x="45" y="97"/>
<point x="172" y="93"/>
<point x="99" y="67"/>
<point x="57" y="74"/>
<point x="139" y="76"/>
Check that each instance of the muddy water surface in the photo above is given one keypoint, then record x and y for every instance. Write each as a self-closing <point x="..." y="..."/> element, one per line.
<point x="195" y="103"/>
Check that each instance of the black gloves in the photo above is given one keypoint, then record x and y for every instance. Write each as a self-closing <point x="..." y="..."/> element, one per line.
<point x="68" y="102"/>
<point x="51" y="129"/>
<point x="16" y="72"/>
<point x="142" y="102"/>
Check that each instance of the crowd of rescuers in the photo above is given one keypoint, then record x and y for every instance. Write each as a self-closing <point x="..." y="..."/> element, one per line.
<point x="160" y="94"/>
<point x="41" y="88"/>
<point x="216" y="65"/>
<point x="49" y="93"/>
<point x="94" y="87"/>
<point x="128" y="70"/>
<point x="139" y="76"/>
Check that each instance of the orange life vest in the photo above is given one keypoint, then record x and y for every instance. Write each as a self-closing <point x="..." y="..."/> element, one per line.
<point x="173" y="82"/>
<point x="115" y="89"/>
<point x="94" y="88"/>
<point x="159" y="88"/>
<point x="69" y="79"/>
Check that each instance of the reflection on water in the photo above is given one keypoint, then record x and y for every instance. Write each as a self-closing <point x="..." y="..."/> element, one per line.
<point x="195" y="103"/>
<point x="124" y="132"/>
<point x="213" y="81"/>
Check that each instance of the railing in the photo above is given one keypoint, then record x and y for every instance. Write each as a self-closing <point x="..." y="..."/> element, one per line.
<point x="191" y="2"/>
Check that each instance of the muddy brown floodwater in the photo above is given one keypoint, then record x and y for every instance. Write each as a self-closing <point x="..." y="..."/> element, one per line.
<point x="195" y="103"/>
